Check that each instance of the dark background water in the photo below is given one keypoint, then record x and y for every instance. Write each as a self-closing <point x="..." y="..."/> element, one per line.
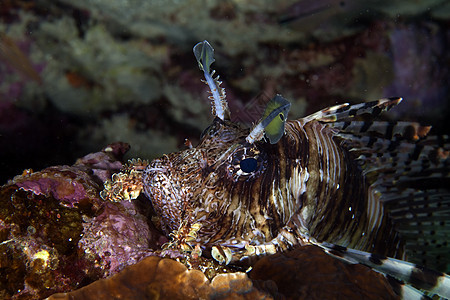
<point x="75" y="76"/>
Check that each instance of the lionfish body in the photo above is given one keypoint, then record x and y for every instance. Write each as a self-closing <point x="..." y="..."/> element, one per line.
<point x="307" y="185"/>
<point x="377" y="188"/>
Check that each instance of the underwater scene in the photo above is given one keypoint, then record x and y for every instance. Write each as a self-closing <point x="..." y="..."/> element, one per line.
<point x="224" y="149"/>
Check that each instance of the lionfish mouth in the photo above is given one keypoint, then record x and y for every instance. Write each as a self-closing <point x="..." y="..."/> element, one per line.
<point x="164" y="192"/>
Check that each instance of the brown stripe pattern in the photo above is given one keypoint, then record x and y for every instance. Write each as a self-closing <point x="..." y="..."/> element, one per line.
<point x="306" y="185"/>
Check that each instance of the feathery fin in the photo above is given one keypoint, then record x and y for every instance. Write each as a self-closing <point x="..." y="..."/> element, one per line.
<point x="407" y="173"/>
<point x="204" y="53"/>
<point x="272" y="122"/>
<point x="411" y="179"/>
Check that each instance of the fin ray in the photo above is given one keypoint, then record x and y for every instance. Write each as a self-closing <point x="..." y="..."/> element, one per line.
<point x="346" y="111"/>
<point x="408" y="172"/>
<point x="419" y="277"/>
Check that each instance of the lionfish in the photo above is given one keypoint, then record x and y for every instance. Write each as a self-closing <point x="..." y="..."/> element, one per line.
<point x="365" y="191"/>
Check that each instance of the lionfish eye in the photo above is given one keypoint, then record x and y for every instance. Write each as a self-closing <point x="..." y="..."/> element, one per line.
<point x="248" y="165"/>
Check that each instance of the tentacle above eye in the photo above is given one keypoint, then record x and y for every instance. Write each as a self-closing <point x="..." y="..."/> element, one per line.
<point x="272" y="122"/>
<point x="204" y="53"/>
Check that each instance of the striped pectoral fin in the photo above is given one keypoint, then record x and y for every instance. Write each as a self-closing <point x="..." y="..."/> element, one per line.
<point x="345" y="111"/>
<point x="422" y="217"/>
<point x="433" y="282"/>
<point x="412" y="181"/>
<point x="381" y="133"/>
<point x="404" y="290"/>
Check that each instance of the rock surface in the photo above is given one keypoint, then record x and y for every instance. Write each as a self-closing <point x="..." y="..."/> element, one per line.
<point x="304" y="273"/>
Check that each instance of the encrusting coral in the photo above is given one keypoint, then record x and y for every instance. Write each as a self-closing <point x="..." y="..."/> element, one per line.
<point x="57" y="233"/>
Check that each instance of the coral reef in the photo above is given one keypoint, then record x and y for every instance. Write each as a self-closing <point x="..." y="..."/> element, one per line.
<point x="58" y="234"/>
<point x="42" y="216"/>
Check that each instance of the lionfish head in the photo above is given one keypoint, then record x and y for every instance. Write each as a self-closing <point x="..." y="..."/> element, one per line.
<point x="198" y="184"/>
<point x="190" y="185"/>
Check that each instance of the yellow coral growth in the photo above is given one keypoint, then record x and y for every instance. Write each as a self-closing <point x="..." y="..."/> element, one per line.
<point x="126" y="185"/>
<point x="183" y="238"/>
<point x="123" y="186"/>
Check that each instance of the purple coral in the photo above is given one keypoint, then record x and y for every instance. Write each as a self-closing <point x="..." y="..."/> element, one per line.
<point x="57" y="234"/>
<point x="116" y="238"/>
